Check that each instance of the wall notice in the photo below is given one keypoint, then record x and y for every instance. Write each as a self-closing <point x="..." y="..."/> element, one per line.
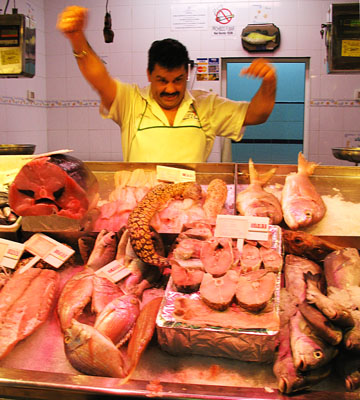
<point x="189" y="17"/>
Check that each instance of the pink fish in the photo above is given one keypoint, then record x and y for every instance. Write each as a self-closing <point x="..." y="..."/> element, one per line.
<point x="301" y="203"/>
<point x="255" y="201"/>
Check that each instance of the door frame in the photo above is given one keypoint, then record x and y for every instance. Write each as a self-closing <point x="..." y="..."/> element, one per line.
<point x="306" y="60"/>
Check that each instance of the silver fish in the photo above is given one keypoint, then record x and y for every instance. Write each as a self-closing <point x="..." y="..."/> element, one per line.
<point x="308" y="350"/>
<point x="301" y="203"/>
<point x="93" y="353"/>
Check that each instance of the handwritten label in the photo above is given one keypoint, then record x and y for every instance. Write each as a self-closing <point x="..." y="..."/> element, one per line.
<point x="241" y="227"/>
<point x="175" y="175"/>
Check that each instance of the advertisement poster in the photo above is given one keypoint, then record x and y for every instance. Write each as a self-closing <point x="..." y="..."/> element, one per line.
<point x="208" y="69"/>
<point x="224" y="23"/>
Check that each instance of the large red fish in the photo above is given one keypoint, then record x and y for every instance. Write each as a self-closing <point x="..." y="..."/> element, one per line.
<point x="302" y="205"/>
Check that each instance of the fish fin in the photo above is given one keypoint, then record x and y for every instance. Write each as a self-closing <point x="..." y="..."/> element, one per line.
<point x="305" y="166"/>
<point x="255" y="177"/>
<point x="315" y="278"/>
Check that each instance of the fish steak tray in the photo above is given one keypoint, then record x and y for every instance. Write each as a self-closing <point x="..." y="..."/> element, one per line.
<point x="242" y="343"/>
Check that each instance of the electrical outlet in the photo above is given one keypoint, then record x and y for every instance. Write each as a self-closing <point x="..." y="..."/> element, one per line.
<point x="357" y="94"/>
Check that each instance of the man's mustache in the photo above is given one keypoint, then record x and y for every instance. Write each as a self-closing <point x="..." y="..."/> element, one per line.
<point x="165" y="94"/>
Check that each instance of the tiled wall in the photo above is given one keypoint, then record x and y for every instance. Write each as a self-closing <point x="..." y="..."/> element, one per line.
<point x="65" y="112"/>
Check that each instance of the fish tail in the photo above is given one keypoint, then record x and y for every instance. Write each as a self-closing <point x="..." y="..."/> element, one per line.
<point x="305" y="166"/>
<point x="255" y="177"/>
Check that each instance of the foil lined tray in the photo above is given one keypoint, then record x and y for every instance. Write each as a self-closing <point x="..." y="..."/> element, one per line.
<point x="250" y="344"/>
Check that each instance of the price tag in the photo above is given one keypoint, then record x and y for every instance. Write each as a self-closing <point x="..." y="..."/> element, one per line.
<point x="50" y="250"/>
<point x="114" y="271"/>
<point x="241" y="227"/>
<point x="10" y="253"/>
<point x="175" y="175"/>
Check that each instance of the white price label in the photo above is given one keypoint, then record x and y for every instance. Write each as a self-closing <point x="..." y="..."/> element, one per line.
<point x="175" y="175"/>
<point x="241" y="227"/>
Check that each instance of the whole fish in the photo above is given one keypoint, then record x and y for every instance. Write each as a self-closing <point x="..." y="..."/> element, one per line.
<point x="307" y="245"/>
<point x="308" y="350"/>
<point x="289" y="379"/>
<point x="104" y="250"/>
<point x="258" y="38"/>
<point x="255" y="201"/>
<point x="342" y="268"/>
<point x="301" y="203"/>
<point x="334" y="310"/>
<point x="117" y="319"/>
<point x="92" y="353"/>
<point x="294" y="269"/>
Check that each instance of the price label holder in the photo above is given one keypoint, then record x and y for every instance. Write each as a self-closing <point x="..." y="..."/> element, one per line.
<point x="174" y="175"/>
<point x="242" y="227"/>
<point x="48" y="249"/>
<point x="114" y="271"/>
<point x="10" y="253"/>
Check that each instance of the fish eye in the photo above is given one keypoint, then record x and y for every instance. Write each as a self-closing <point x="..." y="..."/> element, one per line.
<point x="308" y="213"/>
<point x="67" y="339"/>
<point x="318" y="354"/>
<point x="28" y="193"/>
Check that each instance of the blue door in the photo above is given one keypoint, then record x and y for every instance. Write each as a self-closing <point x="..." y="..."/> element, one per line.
<point x="281" y="137"/>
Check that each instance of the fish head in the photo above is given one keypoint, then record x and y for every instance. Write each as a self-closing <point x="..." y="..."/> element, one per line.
<point x="300" y="214"/>
<point x="75" y="336"/>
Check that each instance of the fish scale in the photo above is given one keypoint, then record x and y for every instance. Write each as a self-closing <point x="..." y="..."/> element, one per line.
<point x="139" y="219"/>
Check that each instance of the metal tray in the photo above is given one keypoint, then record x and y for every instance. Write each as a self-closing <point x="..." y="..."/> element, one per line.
<point x="14" y="149"/>
<point x="351" y="154"/>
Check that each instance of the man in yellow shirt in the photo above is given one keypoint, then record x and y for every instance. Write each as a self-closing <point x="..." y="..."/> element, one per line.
<point x="165" y="122"/>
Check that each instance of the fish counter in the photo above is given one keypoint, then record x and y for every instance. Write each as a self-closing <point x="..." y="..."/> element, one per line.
<point x="192" y="360"/>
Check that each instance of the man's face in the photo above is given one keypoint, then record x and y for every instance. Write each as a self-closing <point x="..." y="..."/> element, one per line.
<point x="168" y="86"/>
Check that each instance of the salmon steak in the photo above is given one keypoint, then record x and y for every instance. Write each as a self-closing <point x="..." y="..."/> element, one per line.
<point x="255" y="289"/>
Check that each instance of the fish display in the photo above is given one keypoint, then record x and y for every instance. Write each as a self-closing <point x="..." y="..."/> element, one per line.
<point x="140" y="217"/>
<point x="25" y="303"/>
<point x="255" y="201"/>
<point x="301" y="203"/>
<point x="98" y="348"/>
<point x="307" y="245"/>
<point x="54" y="185"/>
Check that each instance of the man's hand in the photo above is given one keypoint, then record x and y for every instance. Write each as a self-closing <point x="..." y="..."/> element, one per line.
<point x="262" y="104"/>
<point x="260" y="68"/>
<point x="72" y="20"/>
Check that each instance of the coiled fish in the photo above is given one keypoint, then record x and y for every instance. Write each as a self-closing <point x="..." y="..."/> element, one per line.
<point x="139" y="219"/>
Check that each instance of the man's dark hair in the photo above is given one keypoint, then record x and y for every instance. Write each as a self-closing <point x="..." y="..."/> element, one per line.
<point x="168" y="53"/>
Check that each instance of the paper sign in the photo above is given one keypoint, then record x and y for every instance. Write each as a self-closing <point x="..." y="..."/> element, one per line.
<point x="10" y="253"/>
<point x="175" y="175"/>
<point x="241" y="227"/>
<point x="114" y="271"/>
<point x="50" y="250"/>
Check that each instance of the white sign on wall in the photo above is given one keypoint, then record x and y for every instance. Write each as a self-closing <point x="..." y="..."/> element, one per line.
<point x="189" y="17"/>
<point x="223" y="23"/>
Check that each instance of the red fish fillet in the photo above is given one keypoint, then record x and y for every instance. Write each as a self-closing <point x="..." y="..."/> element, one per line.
<point x="26" y="301"/>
